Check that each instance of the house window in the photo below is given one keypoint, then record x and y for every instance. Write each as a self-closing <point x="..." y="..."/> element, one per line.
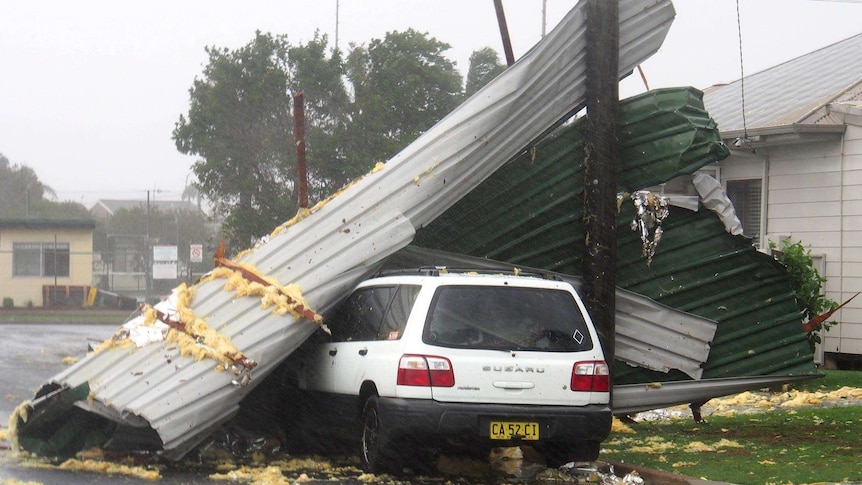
<point x="746" y="196"/>
<point x="40" y="259"/>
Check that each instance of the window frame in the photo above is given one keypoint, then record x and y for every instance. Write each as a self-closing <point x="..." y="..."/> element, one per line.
<point x="54" y="259"/>
<point x="744" y="218"/>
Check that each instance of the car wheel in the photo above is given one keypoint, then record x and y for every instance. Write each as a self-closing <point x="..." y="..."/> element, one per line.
<point x="374" y="453"/>
<point x="559" y="453"/>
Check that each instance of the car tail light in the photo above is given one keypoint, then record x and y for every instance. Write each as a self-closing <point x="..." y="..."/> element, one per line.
<point x="591" y="376"/>
<point x="425" y="370"/>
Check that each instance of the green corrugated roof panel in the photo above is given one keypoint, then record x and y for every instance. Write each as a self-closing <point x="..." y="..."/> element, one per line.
<point x="509" y="217"/>
<point x="530" y="213"/>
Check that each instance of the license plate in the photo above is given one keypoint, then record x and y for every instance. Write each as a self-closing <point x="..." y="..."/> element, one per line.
<point x="507" y="430"/>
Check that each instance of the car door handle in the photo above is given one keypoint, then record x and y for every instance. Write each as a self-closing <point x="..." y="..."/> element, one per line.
<point x="363" y="352"/>
<point x="332" y="352"/>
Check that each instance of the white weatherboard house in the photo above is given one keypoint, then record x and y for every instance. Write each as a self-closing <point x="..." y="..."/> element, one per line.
<point x="796" y="170"/>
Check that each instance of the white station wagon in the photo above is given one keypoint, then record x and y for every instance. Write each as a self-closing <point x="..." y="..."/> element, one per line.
<point x="438" y="359"/>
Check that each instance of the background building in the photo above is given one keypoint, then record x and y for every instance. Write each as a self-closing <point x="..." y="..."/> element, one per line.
<point x="46" y="262"/>
<point x="795" y="172"/>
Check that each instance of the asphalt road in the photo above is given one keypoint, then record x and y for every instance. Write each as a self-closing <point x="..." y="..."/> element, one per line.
<point x="30" y="354"/>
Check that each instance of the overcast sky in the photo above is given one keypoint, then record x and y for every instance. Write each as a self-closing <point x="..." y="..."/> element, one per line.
<point x="90" y="89"/>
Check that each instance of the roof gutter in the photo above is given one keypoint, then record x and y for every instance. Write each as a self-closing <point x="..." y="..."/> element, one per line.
<point x="780" y="135"/>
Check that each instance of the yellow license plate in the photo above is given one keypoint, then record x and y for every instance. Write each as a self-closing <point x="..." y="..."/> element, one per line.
<point x="507" y="430"/>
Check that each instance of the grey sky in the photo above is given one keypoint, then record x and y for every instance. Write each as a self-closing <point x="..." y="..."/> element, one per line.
<point x="90" y="89"/>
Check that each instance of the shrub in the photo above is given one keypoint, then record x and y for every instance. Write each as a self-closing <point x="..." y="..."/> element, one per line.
<point x="807" y="283"/>
<point x="8" y="303"/>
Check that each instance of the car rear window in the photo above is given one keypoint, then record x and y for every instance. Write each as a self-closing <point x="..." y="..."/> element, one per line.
<point x="506" y="318"/>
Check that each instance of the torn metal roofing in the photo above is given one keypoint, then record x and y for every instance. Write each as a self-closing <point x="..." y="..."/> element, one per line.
<point x="174" y="392"/>
<point x="634" y="398"/>
<point x="530" y="211"/>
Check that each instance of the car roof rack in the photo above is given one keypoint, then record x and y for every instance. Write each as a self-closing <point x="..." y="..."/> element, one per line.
<point x="438" y="270"/>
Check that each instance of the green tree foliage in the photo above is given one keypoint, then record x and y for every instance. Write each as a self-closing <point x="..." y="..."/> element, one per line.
<point x="240" y="119"/>
<point x="402" y="85"/>
<point x="320" y="79"/>
<point x="807" y="283"/>
<point x="484" y="66"/>
<point x="22" y="195"/>
<point x="239" y="124"/>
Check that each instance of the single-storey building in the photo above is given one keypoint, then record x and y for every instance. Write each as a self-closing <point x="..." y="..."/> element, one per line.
<point x="795" y="173"/>
<point x="45" y="262"/>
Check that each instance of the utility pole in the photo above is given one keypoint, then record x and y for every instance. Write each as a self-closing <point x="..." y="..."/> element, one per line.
<point x="147" y="288"/>
<point x="601" y="168"/>
<point x="504" y="32"/>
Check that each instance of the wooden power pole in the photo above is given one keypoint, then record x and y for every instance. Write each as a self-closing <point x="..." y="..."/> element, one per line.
<point x="601" y="167"/>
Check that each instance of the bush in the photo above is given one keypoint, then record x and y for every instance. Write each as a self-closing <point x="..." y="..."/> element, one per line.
<point x="807" y="283"/>
<point x="8" y="303"/>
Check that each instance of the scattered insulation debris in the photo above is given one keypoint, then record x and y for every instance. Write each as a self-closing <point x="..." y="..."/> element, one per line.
<point x="651" y="210"/>
<point x="302" y="213"/>
<point x="110" y="468"/>
<point x="20" y="414"/>
<point x="751" y="402"/>
<point x="179" y="325"/>
<point x="248" y="281"/>
<point x="174" y="321"/>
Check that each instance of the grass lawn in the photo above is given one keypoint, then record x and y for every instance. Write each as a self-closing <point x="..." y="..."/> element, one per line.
<point x="798" y="445"/>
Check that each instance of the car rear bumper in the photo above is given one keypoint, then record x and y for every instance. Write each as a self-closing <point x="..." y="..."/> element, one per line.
<point x="419" y="417"/>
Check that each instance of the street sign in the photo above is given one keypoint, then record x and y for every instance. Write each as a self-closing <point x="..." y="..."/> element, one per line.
<point x="165" y="271"/>
<point x="196" y="254"/>
<point x="164" y="253"/>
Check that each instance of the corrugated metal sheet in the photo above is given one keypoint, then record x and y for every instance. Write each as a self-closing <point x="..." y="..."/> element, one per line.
<point x="529" y="213"/>
<point x="785" y="94"/>
<point x="327" y="252"/>
<point x="634" y="398"/>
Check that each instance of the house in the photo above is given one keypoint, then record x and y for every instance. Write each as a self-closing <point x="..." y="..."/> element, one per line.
<point x="795" y="172"/>
<point x="45" y="262"/>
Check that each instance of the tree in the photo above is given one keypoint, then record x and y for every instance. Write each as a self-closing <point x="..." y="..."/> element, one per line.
<point x="239" y="124"/>
<point x="402" y="85"/>
<point x="22" y="195"/>
<point x="321" y="81"/>
<point x="484" y="66"/>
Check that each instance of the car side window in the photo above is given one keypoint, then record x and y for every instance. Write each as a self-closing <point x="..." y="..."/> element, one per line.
<point x="361" y="314"/>
<point x="399" y="310"/>
<point x="373" y="313"/>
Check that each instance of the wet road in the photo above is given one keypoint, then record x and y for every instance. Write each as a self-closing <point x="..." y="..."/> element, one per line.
<point x="30" y="354"/>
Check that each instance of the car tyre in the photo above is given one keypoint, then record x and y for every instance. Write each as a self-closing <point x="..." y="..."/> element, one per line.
<point x="374" y="451"/>
<point x="558" y="454"/>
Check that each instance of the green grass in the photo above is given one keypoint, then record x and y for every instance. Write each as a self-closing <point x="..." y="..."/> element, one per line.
<point x="834" y="379"/>
<point x="777" y="447"/>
